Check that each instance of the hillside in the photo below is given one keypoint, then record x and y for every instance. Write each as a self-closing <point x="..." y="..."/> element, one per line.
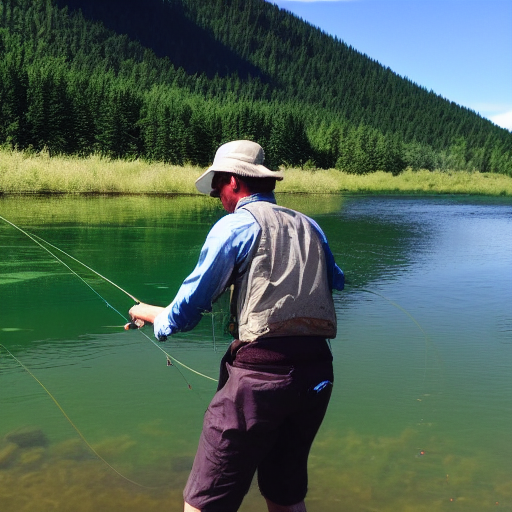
<point x="170" y="80"/>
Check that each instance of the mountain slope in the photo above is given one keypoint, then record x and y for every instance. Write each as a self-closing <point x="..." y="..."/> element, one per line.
<point x="202" y="72"/>
<point x="256" y="37"/>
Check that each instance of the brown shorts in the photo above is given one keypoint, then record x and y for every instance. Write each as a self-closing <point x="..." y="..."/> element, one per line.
<point x="264" y="418"/>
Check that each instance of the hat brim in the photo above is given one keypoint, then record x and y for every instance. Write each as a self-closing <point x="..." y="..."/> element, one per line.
<point x="233" y="166"/>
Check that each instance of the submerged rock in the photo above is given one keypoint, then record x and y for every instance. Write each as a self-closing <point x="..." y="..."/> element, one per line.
<point x="27" y="437"/>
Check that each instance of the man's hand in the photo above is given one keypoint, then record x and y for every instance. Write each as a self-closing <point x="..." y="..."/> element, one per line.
<point x="142" y="314"/>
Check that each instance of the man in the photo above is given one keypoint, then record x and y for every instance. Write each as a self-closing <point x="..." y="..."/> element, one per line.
<point x="277" y="376"/>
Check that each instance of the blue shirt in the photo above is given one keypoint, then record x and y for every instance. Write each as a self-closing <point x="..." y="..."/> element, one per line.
<point x="229" y="243"/>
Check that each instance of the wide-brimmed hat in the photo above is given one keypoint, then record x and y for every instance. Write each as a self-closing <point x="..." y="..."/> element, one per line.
<point x="241" y="157"/>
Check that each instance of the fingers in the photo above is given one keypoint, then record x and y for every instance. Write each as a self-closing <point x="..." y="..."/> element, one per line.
<point x="136" y="323"/>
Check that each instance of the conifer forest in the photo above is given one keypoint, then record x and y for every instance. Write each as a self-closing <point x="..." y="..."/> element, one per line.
<point x="170" y="80"/>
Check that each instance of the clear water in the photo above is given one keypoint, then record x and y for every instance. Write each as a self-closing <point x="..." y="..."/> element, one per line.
<point x="422" y="407"/>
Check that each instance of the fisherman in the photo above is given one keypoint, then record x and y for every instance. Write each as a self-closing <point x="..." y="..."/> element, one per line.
<point x="276" y="377"/>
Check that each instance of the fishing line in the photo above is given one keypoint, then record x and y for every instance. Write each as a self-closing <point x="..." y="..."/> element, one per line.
<point x="77" y="430"/>
<point x="170" y="359"/>
<point x="412" y="318"/>
<point x="420" y="327"/>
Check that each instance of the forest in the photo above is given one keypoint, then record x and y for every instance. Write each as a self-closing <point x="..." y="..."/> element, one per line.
<point x="170" y="80"/>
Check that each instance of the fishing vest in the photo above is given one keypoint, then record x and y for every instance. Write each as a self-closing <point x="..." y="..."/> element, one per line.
<point x="285" y="290"/>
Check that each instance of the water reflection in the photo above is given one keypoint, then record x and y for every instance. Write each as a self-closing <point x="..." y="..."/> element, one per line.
<point x="420" y="415"/>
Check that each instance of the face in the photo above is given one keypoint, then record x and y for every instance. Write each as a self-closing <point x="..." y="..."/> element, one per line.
<point x="226" y="188"/>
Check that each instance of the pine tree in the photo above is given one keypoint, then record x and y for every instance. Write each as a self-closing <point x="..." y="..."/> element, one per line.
<point x="13" y="101"/>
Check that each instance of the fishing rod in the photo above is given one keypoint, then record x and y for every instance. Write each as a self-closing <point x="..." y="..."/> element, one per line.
<point x="40" y="241"/>
<point x="170" y="359"/>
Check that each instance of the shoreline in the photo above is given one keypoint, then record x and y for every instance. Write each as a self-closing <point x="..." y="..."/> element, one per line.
<point x="30" y="174"/>
<point x="171" y="195"/>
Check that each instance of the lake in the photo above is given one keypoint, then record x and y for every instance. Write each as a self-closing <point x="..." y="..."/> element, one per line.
<point x="92" y="417"/>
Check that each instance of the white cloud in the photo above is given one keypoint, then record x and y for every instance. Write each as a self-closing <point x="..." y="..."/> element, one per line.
<point x="499" y="113"/>
<point x="504" y="120"/>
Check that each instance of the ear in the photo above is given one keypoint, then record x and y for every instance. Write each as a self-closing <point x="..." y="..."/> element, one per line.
<point x="234" y="183"/>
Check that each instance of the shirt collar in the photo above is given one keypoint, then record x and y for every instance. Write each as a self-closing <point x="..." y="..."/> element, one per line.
<point x="262" y="196"/>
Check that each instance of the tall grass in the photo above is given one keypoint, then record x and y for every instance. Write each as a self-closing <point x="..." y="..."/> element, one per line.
<point x="408" y="182"/>
<point x="39" y="173"/>
<point x="29" y="173"/>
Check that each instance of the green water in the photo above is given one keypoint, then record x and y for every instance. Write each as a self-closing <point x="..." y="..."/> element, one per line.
<point x="422" y="405"/>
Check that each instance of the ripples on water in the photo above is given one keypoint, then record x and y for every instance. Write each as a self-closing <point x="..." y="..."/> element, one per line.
<point x="421" y="413"/>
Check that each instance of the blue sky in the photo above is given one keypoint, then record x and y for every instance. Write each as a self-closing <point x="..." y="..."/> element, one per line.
<point x="460" y="49"/>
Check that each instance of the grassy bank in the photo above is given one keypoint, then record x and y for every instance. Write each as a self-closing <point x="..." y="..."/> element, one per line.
<point x="24" y="173"/>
